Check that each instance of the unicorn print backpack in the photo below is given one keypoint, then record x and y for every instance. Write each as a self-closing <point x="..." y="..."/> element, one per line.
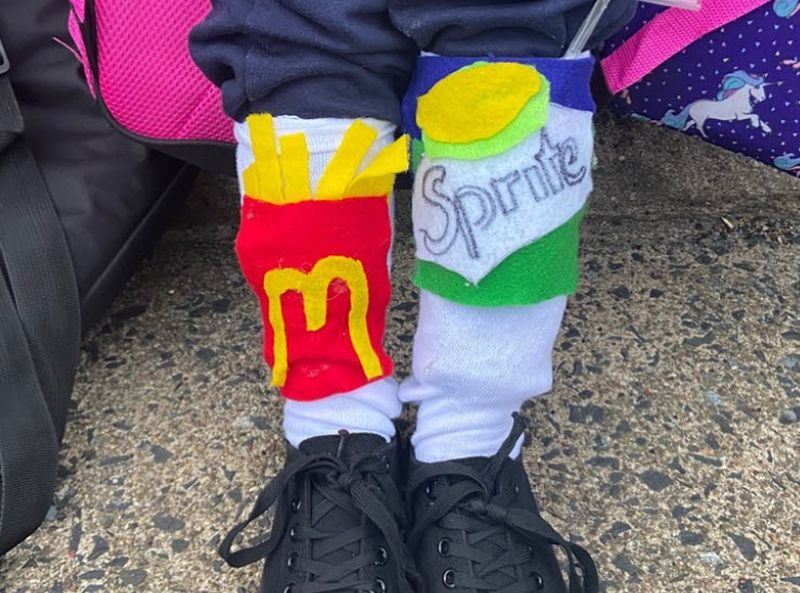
<point x="729" y="74"/>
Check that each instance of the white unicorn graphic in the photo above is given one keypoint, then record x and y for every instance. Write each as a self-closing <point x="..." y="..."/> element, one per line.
<point x="789" y="163"/>
<point x="737" y="96"/>
<point x="786" y="8"/>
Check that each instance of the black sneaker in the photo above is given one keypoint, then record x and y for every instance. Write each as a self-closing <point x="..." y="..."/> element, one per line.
<point x="478" y="528"/>
<point x="337" y="523"/>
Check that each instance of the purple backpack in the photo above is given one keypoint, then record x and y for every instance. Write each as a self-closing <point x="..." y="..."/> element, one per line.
<point x="729" y="74"/>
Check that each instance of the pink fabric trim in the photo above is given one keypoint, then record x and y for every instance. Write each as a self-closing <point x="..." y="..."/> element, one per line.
<point x="79" y="6"/>
<point x="79" y="52"/>
<point x="666" y="35"/>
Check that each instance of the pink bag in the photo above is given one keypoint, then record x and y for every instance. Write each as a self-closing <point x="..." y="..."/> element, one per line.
<point x="136" y="59"/>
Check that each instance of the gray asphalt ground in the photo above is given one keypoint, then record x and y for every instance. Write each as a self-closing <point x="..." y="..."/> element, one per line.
<point x="669" y="446"/>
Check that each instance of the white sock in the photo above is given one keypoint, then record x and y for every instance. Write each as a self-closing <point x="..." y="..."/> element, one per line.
<point x="371" y="408"/>
<point x="472" y="369"/>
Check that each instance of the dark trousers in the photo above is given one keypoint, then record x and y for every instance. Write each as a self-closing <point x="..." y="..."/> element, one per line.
<point x="353" y="58"/>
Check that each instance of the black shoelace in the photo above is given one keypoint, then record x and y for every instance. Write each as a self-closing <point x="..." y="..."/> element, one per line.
<point x="470" y="504"/>
<point x="362" y="488"/>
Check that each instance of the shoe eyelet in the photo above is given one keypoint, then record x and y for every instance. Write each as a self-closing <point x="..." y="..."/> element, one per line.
<point x="449" y="578"/>
<point x="383" y="557"/>
<point x="296" y="504"/>
<point x="539" y="580"/>
<point x="380" y="586"/>
<point x="291" y="561"/>
<point x="531" y="550"/>
<point x="444" y="547"/>
<point x="293" y="531"/>
<point x="386" y="463"/>
<point x="429" y="490"/>
<point x="516" y="488"/>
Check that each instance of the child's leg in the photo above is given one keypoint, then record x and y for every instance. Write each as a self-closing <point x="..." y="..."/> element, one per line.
<point x="324" y="373"/>
<point x="314" y="67"/>
<point x="496" y="225"/>
<point x="498" y="198"/>
<point x="315" y="89"/>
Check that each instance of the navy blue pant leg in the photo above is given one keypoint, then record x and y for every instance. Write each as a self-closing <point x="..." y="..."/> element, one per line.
<point x="353" y="58"/>
<point x="519" y="28"/>
<point x="310" y="58"/>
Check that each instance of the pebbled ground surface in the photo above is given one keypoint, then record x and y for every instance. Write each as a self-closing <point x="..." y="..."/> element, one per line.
<point x="669" y="446"/>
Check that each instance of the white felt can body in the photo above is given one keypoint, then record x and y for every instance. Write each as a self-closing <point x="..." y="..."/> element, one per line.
<point x="470" y="215"/>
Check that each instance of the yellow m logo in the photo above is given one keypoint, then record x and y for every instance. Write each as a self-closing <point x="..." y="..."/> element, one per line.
<point x="314" y="289"/>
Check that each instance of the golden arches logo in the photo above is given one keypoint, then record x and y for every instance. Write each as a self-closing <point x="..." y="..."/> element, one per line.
<point x="313" y="287"/>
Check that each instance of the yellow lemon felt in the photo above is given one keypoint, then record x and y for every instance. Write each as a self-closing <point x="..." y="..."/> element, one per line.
<point x="476" y="102"/>
<point x="532" y="117"/>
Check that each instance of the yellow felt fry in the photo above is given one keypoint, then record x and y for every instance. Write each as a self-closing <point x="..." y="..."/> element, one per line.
<point x="378" y="178"/>
<point x="476" y="102"/>
<point x="294" y="166"/>
<point x="266" y="166"/>
<point x="372" y="187"/>
<point x="250" y="181"/>
<point x="345" y="162"/>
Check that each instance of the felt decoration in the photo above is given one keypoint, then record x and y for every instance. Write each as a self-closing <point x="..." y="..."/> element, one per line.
<point x="496" y="92"/>
<point x="294" y="163"/>
<point x="537" y="272"/>
<point x="472" y="369"/>
<point x="417" y="150"/>
<point x="323" y="136"/>
<point x="263" y="177"/>
<point x="319" y="270"/>
<point x="284" y="177"/>
<point x="569" y="81"/>
<point x="377" y="179"/>
<point x="470" y="215"/>
<point x="342" y="168"/>
<point x="313" y="285"/>
<point x="532" y="117"/>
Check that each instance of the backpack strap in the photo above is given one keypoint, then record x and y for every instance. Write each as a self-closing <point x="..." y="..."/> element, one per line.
<point x="39" y="331"/>
<point x="667" y="34"/>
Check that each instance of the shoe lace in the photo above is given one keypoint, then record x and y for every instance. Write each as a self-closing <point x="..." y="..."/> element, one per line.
<point x="499" y="537"/>
<point x="362" y="488"/>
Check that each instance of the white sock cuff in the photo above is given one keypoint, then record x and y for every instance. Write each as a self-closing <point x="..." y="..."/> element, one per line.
<point x="371" y="408"/>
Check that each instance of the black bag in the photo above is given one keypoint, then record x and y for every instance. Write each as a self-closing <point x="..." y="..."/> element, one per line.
<point x="80" y="207"/>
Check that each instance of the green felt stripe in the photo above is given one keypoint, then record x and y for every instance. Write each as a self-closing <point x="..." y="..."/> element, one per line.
<point x="417" y="150"/>
<point x="531" y="118"/>
<point x="540" y="271"/>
